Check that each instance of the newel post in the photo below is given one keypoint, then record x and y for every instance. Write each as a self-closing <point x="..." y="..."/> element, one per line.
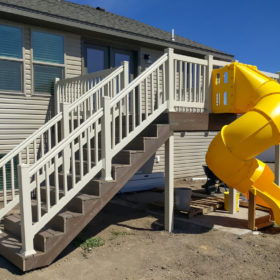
<point x="106" y="147"/>
<point x="65" y="131"/>
<point x="57" y="96"/>
<point x="27" y="235"/>
<point x="170" y="78"/>
<point x="208" y="96"/>
<point x="125" y="77"/>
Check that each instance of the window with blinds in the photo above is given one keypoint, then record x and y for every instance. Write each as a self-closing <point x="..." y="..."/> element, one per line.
<point x="10" y="58"/>
<point x="48" y="55"/>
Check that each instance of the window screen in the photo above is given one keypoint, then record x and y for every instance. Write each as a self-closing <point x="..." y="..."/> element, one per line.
<point x="10" y="75"/>
<point x="44" y="77"/>
<point x="11" y="41"/>
<point x="48" y="47"/>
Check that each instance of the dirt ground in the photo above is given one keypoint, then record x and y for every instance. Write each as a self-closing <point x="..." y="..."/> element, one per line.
<point x="136" y="247"/>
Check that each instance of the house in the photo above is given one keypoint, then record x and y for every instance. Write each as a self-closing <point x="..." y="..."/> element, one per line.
<point x="78" y="131"/>
<point x="48" y="39"/>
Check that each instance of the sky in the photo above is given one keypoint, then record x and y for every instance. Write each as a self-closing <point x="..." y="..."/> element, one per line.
<point x="248" y="29"/>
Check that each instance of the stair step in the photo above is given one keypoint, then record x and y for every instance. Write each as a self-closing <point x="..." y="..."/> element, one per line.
<point x="12" y="225"/>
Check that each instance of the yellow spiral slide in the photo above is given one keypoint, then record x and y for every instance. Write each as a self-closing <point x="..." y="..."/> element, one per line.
<point x="240" y="88"/>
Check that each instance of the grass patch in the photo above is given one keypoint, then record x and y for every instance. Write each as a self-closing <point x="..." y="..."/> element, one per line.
<point x="87" y="245"/>
<point x="115" y="234"/>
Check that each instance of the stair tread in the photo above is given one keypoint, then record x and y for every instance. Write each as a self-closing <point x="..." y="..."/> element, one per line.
<point x="84" y="196"/>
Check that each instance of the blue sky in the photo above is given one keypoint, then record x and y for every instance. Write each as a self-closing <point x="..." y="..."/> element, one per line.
<point x="249" y="29"/>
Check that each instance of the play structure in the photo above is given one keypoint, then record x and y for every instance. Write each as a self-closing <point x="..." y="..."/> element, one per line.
<point x="242" y="89"/>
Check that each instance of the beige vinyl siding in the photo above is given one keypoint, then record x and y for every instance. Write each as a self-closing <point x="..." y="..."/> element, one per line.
<point x="27" y="61"/>
<point x="22" y="114"/>
<point x="189" y="153"/>
<point x="73" y="55"/>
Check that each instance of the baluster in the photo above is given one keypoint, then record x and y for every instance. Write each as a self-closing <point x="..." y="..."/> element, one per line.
<point x="186" y="81"/>
<point x="4" y="184"/>
<point x="113" y="127"/>
<point x="49" y="139"/>
<point x="73" y="163"/>
<point x="180" y="80"/>
<point x="96" y="142"/>
<point x="42" y="145"/>
<point x="199" y="83"/>
<point x="146" y="99"/>
<point x="38" y="190"/>
<point x="204" y="83"/>
<point x="34" y="150"/>
<point x="164" y="94"/>
<point x="195" y="83"/>
<point x="152" y="92"/>
<point x="47" y="181"/>
<point x="56" y="180"/>
<point x="158" y="89"/>
<point x="27" y="155"/>
<point x="55" y="134"/>
<point x="13" y="178"/>
<point x="191" y="83"/>
<point x="81" y="157"/>
<point x="88" y="150"/>
<point x="140" y="103"/>
<point x="133" y="109"/>
<point x="127" y="113"/>
<point x="120" y="120"/>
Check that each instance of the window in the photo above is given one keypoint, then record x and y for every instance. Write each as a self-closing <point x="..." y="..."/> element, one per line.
<point x="10" y="58"/>
<point x="48" y="55"/>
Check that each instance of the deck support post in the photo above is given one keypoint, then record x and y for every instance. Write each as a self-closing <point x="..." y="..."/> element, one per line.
<point x="232" y="200"/>
<point x="106" y="147"/>
<point x="169" y="185"/>
<point x="252" y="211"/>
<point x="65" y="133"/>
<point x="27" y="235"/>
<point x="170" y="79"/>
<point x="208" y="96"/>
<point x="277" y="164"/>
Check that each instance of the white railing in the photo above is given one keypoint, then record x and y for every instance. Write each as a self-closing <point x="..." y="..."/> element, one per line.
<point x="50" y="134"/>
<point x="69" y="90"/>
<point x="64" y="166"/>
<point x="106" y="119"/>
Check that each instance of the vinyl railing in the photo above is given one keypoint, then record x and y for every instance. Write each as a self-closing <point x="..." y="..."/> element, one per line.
<point x="50" y="134"/>
<point x="106" y="119"/>
<point x="69" y="90"/>
<point x="64" y="167"/>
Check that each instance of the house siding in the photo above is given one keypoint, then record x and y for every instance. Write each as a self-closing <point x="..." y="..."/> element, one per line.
<point x="23" y="113"/>
<point x="189" y="154"/>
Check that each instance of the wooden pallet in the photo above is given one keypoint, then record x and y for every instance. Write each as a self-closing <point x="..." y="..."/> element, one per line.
<point x="200" y="205"/>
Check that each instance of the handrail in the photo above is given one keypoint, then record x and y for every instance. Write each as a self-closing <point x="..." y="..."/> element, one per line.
<point x="87" y="76"/>
<point x="69" y="90"/>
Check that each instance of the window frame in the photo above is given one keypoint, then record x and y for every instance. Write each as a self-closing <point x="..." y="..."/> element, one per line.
<point x="16" y="59"/>
<point x="43" y="63"/>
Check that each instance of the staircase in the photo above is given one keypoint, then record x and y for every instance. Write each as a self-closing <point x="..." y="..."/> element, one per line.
<point x="71" y="167"/>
